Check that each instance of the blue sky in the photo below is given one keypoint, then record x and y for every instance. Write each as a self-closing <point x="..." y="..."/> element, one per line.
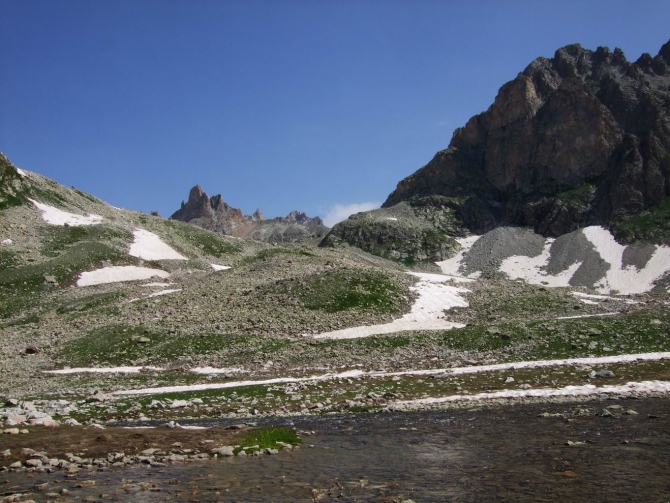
<point x="280" y="104"/>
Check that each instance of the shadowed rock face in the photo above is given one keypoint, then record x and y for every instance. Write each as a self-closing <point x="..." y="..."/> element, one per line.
<point x="575" y="140"/>
<point x="216" y="215"/>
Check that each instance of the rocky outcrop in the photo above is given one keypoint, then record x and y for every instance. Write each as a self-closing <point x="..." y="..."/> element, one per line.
<point x="579" y="139"/>
<point x="216" y="215"/>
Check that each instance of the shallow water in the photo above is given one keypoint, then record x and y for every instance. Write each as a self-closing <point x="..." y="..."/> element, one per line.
<point x="500" y="454"/>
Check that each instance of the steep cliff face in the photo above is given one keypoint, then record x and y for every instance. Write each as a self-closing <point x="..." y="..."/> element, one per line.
<point x="216" y="215"/>
<point x="579" y="139"/>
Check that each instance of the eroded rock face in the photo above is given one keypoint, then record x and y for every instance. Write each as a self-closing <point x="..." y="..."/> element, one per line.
<point x="216" y="215"/>
<point x="575" y="140"/>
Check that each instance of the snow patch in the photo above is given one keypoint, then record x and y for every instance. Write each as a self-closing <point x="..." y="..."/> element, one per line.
<point x="476" y="369"/>
<point x="451" y="266"/>
<point x="583" y="390"/>
<point x="54" y="216"/>
<point x="427" y="313"/>
<point x="114" y="274"/>
<point x="586" y="316"/>
<point x="163" y="292"/>
<point x="393" y="219"/>
<point x="360" y="373"/>
<point x="103" y="370"/>
<point x="148" y="246"/>
<point x="218" y="267"/>
<point x="588" y="296"/>
<point x="531" y="269"/>
<point x="157" y="284"/>
<point x="626" y="280"/>
<point x="7" y="242"/>
<point x="212" y="370"/>
<point x="21" y="173"/>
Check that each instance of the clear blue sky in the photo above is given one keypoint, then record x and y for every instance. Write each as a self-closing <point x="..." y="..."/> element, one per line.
<point x="276" y="104"/>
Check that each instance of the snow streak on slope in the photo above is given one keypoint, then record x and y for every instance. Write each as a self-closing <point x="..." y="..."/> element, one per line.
<point x="627" y="279"/>
<point x="574" y="391"/>
<point x="148" y="246"/>
<point x="427" y="312"/>
<point x="530" y="269"/>
<point x="590" y="257"/>
<point x="115" y="274"/>
<point x="54" y="216"/>
<point x="451" y="266"/>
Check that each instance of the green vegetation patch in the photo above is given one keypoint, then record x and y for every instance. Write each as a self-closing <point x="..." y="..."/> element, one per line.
<point x="89" y="302"/>
<point x="125" y="344"/>
<point x="22" y="287"/>
<point x="267" y="438"/>
<point x="341" y="290"/>
<point x="55" y="239"/>
<point x="207" y="241"/>
<point x="652" y="225"/>
<point x="10" y="181"/>
<point x="638" y="332"/>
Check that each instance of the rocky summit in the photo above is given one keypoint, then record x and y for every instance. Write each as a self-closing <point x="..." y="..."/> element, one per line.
<point x="580" y="139"/>
<point x="216" y="215"/>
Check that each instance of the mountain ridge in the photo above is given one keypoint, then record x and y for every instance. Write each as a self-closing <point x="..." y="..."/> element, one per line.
<point x="216" y="215"/>
<point x="582" y="117"/>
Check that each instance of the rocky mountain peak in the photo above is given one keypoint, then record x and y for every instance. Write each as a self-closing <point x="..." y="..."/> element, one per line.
<point x="580" y="120"/>
<point x="216" y="215"/>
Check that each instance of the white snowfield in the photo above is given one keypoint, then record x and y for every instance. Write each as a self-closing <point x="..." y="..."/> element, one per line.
<point x="218" y="267"/>
<point x="148" y="246"/>
<point x="103" y="370"/>
<point x="452" y="265"/>
<point x="212" y="370"/>
<point x="531" y="269"/>
<point x="360" y="373"/>
<point x="21" y="173"/>
<point x="586" y="316"/>
<point x="624" y="280"/>
<point x="628" y="279"/>
<point x="114" y="274"/>
<point x="427" y="313"/>
<point x="54" y="216"/>
<point x="583" y="390"/>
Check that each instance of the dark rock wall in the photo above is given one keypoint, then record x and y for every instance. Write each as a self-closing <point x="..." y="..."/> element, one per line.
<point x="582" y="117"/>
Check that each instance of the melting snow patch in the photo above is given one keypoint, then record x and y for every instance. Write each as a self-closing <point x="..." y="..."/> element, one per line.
<point x="360" y="373"/>
<point x="584" y="390"/>
<point x="54" y="216"/>
<point x="586" y="316"/>
<point x="530" y="269"/>
<point x="7" y="242"/>
<point x="393" y="219"/>
<point x="218" y="267"/>
<point x="148" y="246"/>
<point x="586" y="296"/>
<point x="113" y="274"/>
<point x="476" y="369"/>
<point x="427" y="313"/>
<point x="103" y="370"/>
<point x="452" y="265"/>
<point x="163" y="292"/>
<point x="212" y="370"/>
<point x="21" y="173"/>
<point x="627" y="279"/>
